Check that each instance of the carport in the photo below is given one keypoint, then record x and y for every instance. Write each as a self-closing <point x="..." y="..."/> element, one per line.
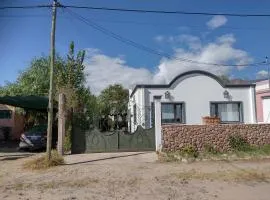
<point x="38" y="103"/>
<point x="29" y="103"/>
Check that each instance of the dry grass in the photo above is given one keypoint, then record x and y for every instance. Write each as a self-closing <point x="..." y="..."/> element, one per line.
<point x="43" y="162"/>
<point x="250" y="153"/>
<point x="237" y="176"/>
<point x="55" y="184"/>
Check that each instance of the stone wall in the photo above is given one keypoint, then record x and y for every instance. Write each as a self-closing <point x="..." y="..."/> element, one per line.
<point x="175" y="137"/>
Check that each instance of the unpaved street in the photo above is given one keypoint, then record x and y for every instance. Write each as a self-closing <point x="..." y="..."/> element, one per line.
<point x="134" y="176"/>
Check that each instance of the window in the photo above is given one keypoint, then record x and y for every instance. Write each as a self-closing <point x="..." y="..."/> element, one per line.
<point x="5" y="114"/>
<point x="135" y="114"/>
<point x="172" y="113"/>
<point x="227" y="111"/>
<point x="152" y="114"/>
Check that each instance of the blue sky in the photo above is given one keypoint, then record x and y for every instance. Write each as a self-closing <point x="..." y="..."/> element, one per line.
<point x="25" y="34"/>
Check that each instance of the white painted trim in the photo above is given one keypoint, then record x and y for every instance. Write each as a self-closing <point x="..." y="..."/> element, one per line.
<point x="158" y="134"/>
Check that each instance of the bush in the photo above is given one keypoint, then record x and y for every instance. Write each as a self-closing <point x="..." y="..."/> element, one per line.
<point x="189" y="151"/>
<point x="238" y="143"/>
<point x="43" y="162"/>
<point x="67" y="140"/>
<point x="208" y="148"/>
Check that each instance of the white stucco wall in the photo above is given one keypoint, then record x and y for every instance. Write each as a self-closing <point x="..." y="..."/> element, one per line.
<point x="138" y="98"/>
<point x="262" y="85"/>
<point x="197" y="91"/>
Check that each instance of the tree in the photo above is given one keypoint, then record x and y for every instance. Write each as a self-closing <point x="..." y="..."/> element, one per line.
<point x="69" y="73"/>
<point x="69" y="79"/>
<point x="33" y="80"/>
<point x="113" y="101"/>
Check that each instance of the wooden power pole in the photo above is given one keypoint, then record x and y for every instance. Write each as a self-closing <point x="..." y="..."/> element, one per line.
<point x="51" y="92"/>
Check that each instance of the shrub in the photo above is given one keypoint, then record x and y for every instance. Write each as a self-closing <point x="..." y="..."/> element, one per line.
<point x="67" y="140"/>
<point x="208" y="148"/>
<point x="238" y="143"/>
<point x="189" y="151"/>
<point x="43" y="162"/>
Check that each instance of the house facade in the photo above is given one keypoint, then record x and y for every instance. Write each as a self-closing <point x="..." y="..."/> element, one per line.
<point x="191" y="96"/>
<point x="263" y="101"/>
<point x="9" y="119"/>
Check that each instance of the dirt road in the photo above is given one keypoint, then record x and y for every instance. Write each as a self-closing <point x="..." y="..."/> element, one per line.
<point x="135" y="176"/>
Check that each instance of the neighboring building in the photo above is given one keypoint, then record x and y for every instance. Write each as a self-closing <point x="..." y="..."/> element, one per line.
<point x="8" y="118"/>
<point x="263" y="101"/>
<point x="191" y="96"/>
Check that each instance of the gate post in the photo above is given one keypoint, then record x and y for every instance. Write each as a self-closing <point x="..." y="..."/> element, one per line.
<point x="61" y="123"/>
<point x="158" y="138"/>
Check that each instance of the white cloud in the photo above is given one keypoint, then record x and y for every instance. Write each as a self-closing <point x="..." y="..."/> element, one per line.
<point x="227" y="38"/>
<point x="262" y="74"/>
<point x="104" y="70"/>
<point x="217" y="21"/>
<point x="193" y="42"/>
<point x="159" y="38"/>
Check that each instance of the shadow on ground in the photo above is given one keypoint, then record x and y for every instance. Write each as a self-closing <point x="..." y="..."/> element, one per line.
<point x="107" y="158"/>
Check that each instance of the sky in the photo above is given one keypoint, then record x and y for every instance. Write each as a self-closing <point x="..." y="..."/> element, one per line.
<point x="25" y="34"/>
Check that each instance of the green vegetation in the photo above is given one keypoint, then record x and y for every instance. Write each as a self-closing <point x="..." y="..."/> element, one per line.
<point x="113" y="101"/>
<point x="189" y="151"/>
<point x="70" y="79"/>
<point x="210" y="149"/>
<point x="240" y="150"/>
<point x="238" y="143"/>
<point x="43" y="162"/>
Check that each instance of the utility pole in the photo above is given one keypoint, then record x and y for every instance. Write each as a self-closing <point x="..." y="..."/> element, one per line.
<point x="51" y="92"/>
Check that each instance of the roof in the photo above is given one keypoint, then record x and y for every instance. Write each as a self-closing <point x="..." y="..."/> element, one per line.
<point x="28" y="102"/>
<point x="224" y="85"/>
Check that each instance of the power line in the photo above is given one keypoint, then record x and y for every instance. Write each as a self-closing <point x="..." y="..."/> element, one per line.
<point x="25" y="7"/>
<point x="145" y="48"/>
<point x="165" y="12"/>
<point x="140" y="10"/>
<point x="132" y="22"/>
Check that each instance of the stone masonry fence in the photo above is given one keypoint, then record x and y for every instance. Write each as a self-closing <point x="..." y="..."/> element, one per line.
<point x="176" y="137"/>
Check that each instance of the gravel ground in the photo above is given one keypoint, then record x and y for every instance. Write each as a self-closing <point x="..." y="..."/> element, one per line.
<point x="136" y="175"/>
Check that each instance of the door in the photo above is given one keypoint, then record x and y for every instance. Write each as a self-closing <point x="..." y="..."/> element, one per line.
<point x="266" y="109"/>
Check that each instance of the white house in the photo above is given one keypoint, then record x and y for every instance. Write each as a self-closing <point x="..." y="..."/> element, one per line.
<point x="191" y="96"/>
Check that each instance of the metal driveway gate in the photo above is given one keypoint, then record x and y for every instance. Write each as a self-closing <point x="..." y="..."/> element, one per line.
<point x="94" y="140"/>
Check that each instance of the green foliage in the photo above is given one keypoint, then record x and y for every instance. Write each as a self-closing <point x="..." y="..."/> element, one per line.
<point x="113" y="100"/>
<point x="70" y="79"/>
<point x="238" y="143"/>
<point x="33" y="80"/>
<point x="189" y="151"/>
<point x="67" y="139"/>
<point x="208" y="148"/>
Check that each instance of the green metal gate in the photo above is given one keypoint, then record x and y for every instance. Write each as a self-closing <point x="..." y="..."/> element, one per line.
<point x="84" y="141"/>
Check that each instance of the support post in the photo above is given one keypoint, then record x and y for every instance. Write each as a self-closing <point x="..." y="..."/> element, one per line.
<point x="61" y="123"/>
<point x="158" y="133"/>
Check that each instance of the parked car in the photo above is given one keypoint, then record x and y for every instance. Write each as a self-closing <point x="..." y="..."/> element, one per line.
<point x="36" y="138"/>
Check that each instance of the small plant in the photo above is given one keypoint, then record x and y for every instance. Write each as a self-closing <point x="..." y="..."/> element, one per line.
<point x="208" y="148"/>
<point x="189" y="151"/>
<point x="238" y="143"/>
<point x="43" y="162"/>
<point x="67" y="140"/>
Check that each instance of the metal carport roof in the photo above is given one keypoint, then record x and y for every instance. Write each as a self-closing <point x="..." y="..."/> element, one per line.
<point x="31" y="102"/>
